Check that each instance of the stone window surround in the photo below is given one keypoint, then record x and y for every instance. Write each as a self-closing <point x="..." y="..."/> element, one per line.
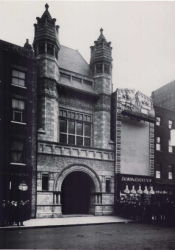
<point x="103" y="68"/>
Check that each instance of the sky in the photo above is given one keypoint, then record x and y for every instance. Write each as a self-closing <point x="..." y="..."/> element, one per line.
<point x="142" y="35"/>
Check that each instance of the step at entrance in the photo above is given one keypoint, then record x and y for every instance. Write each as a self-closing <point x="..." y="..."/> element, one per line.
<point x="77" y="215"/>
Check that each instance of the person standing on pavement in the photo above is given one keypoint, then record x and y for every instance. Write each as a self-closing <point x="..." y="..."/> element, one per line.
<point x="21" y="213"/>
<point x="8" y="214"/>
<point x="2" y="212"/>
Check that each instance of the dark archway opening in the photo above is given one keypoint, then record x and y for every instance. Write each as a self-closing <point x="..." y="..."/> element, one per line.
<point x="76" y="190"/>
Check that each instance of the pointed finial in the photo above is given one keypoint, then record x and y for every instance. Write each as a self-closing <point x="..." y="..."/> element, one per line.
<point x="101" y="30"/>
<point x="46" y="6"/>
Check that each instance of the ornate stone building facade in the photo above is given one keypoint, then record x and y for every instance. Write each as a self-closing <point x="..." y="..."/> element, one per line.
<point x="81" y="141"/>
<point x="88" y="143"/>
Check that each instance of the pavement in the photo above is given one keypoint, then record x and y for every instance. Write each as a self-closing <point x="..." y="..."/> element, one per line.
<point x="69" y="221"/>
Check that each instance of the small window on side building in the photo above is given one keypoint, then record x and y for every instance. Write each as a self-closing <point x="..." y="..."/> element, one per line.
<point x="18" y="78"/>
<point x="170" y="147"/>
<point x="158" y="143"/>
<point x="170" y="124"/>
<point x="18" y="110"/>
<point x="158" y="121"/>
<point x="158" y="171"/>
<point x="170" y="172"/>
<point x="17" y="151"/>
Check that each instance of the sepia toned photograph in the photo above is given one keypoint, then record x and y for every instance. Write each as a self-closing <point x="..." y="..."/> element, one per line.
<point x="87" y="125"/>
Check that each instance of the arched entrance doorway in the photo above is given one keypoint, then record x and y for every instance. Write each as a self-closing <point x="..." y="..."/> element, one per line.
<point x="76" y="192"/>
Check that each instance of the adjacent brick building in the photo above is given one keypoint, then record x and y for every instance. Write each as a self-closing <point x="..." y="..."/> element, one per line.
<point x="18" y="93"/>
<point x="164" y="153"/>
<point x="165" y="96"/>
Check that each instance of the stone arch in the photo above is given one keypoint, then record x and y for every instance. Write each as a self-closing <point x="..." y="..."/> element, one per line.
<point x="73" y="168"/>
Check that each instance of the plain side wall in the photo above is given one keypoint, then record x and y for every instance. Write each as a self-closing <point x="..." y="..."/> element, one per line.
<point x="134" y="147"/>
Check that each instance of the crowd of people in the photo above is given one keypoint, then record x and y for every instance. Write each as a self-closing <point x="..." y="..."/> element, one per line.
<point x="148" y="211"/>
<point x="14" y="212"/>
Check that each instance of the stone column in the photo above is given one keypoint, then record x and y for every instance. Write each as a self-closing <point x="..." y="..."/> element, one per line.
<point x="102" y="121"/>
<point x="39" y="181"/>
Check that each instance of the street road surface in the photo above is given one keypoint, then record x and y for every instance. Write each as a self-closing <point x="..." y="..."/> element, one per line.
<point x="121" y="236"/>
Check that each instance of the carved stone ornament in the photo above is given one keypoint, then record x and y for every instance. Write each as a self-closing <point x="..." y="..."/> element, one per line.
<point x="75" y="102"/>
<point x="58" y="163"/>
<point x="132" y="101"/>
<point x="103" y="103"/>
<point x="13" y="173"/>
<point x="48" y="88"/>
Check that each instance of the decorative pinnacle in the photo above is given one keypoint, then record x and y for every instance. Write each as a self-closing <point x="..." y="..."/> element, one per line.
<point x="101" y="30"/>
<point x="46" y="6"/>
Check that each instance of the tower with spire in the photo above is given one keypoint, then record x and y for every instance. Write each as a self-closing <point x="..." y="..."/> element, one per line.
<point x="47" y="46"/>
<point x="101" y="68"/>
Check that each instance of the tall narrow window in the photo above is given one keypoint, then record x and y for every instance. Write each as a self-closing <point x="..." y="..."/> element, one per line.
<point x="170" y="172"/>
<point x="158" y="121"/>
<point x="63" y="131"/>
<point x="18" y="78"/>
<point x="18" y="110"/>
<point x="158" y="143"/>
<point x="170" y="124"/>
<point x="108" y="186"/>
<point x="17" y="151"/>
<point x="45" y="182"/>
<point x="158" y="171"/>
<point x="170" y="147"/>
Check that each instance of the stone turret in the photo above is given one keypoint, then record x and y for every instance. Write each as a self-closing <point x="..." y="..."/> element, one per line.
<point x="46" y="45"/>
<point x="101" y="64"/>
<point x="101" y="67"/>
